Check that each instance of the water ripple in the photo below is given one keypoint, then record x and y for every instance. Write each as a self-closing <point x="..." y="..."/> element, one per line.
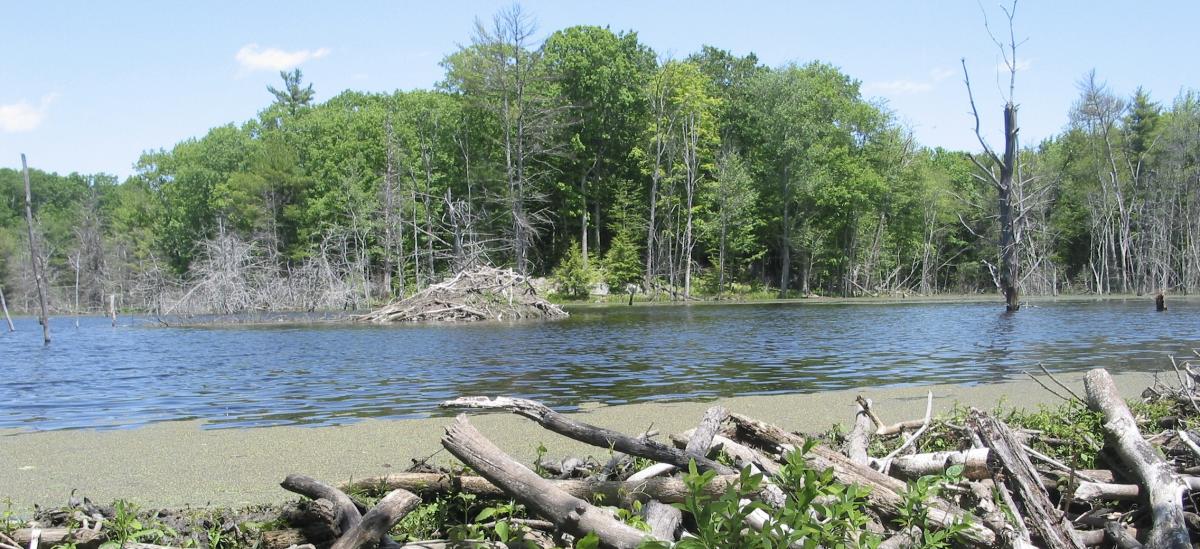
<point x="98" y="377"/>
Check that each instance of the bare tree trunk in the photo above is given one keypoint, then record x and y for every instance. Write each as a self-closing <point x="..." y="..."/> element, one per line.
<point x="34" y="258"/>
<point x="1010" y="261"/>
<point x="785" y="259"/>
<point x="4" y="305"/>
<point x="78" y="257"/>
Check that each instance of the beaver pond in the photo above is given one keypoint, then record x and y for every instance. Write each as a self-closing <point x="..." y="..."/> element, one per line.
<point x="96" y="376"/>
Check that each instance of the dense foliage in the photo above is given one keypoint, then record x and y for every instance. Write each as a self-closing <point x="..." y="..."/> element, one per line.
<point x="707" y="174"/>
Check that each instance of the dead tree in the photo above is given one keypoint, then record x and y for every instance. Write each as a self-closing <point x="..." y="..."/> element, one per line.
<point x="1007" y="182"/>
<point x="4" y="306"/>
<point x="33" y="257"/>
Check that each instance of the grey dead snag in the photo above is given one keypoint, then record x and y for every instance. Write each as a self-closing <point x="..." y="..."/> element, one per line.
<point x="38" y="266"/>
<point x="886" y="494"/>
<point x="1013" y="467"/>
<point x="1164" y="488"/>
<point x="589" y="434"/>
<point x="571" y="514"/>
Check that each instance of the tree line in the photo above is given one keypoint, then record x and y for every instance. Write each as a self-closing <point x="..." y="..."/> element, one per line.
<point x="591" y="157"/>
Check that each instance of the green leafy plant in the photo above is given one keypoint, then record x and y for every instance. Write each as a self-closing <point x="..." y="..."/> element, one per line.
<point x="915" y="511"/>
<point x="125" y="527"/>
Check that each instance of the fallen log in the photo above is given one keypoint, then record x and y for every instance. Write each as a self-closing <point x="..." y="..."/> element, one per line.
<point x="589" y="434"/>
<point x="1088" y="491"/>
<point x="1164" y="488"/>
<point x="1012" y="467"/>
<point x="743" y="455"/>
<point x="666" y="490"/>
<point x="346" y="515"/>
<point x="568" y="512"/>
<point x="904" y="539"/>
<point x="447" y="544"/>
<point x="375" y="525"/>
<point x="885" y="494"/>
<point x="665" y="521"/>
<point x="702" y="436"/>
<point x="973" y="461"/>
<point x="860" y="436"/>
<point x="50" y="537"/>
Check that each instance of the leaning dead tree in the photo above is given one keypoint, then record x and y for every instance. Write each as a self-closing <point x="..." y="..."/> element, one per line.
<point x="39" y="271"/>
<point x="1004" y="173"/>
<point x="482" y="293"/>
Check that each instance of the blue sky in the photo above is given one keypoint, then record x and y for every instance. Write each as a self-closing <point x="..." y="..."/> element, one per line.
<point x="88" y="86"/>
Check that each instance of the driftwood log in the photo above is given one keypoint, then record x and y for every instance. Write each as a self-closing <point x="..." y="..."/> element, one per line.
<point x="374" y="525"/>
<point x="571" y="514"/>
<point x="589" y="434"/>
<point x="346" y="515"/>
<point x="860" y="436"/>
<point x="667" y="490"/>
<point x="1165" y="489"/>
<point x="352" y="529"/>
<point x="1012" y="467"/>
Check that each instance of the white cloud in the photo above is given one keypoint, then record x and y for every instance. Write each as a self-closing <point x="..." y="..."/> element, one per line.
<point x="901" y="87"/>
<point x="1022" y="65"/>
<point x="22" y="116"/>
<point x="941" y="73"/>
<point x="253" y="57"/>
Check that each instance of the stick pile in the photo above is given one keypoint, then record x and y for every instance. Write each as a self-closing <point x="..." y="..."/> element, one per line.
<point x="998" y="491"/>
<point x="483" y="293"/>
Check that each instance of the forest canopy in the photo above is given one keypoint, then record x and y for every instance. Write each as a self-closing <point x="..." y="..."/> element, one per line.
<point x="590" y="156"/>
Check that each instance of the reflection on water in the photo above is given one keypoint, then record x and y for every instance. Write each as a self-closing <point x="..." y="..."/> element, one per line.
<point x="98" y="377"/>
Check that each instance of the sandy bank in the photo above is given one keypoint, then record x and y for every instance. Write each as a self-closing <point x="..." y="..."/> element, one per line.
<point x="180" y="463"/>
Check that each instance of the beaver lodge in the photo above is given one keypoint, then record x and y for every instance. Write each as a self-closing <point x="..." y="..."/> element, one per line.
<point x="482" y="293"/>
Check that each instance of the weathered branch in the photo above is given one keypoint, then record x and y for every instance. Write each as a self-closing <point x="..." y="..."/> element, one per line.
<point x="568" y="512"/>
<point x="1164" y="488"/>
<point x="1014" y="468"/>
<point x="346" y="513"/>
<point x="667" y="490"/>
<point x="590" y="434"/>
<point x="375" y="525"/>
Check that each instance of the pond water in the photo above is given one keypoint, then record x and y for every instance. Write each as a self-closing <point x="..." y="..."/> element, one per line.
<point x="96" y="376"/>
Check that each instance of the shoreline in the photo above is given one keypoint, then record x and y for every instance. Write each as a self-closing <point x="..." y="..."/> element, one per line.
<point x="180" y="464"/>
<point x="338" y="316"/>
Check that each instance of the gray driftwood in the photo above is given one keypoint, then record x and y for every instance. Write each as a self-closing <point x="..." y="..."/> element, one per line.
<point x="1013" y="467"/>
<point x="375" y="524"/>
<point x="571" y="514"/>
<point x="346" y="515"/>
<point x="667" y="490"/>
<point x="1164" y="488"/>
<point x="589" y="434"/>
<point x="860" y="436"/>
